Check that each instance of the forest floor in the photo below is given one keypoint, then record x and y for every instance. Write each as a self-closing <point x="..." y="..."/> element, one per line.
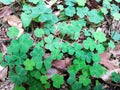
<point x="9" y="16"/>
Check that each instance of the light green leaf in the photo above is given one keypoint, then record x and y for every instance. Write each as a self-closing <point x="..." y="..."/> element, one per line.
<point x="95" y="16"/>
<point x="39" y="32"/>
<point x="81" y="2"/>
<point x="82" y="11"/>
<point x="104" y="10"/>
<point x="100" y="48"/>
<point x="26" y="19"/>
<point x="7" y="1"/>
<point x="116" y="16"/>
<point x="70" y="11"/>
<point x="13" y="32"/>
<point x="34" y="1"/>
<point x="97" y="70"/>
<point x="111" y="44"/>
<point x="29" y="64"/>
<point x="89" y="44"/>
<point x="96" y="58"/>
<point x="100" y="36"/>
<point x="57" y="80"/>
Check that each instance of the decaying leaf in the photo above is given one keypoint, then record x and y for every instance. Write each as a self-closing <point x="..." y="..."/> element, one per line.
<point x="112" y="66"/>
<point x="107" y="76"/>
<point x="61" y="64"/>
<point x="51" y="72"/>
<point x="3" y="73"/>
<point x="5" y="11"/>
<point x="15" y="21"/>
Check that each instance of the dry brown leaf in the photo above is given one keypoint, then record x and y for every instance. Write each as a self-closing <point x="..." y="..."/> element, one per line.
<point x="105" y="61"/>
<point x="111" y="65"/>
<point x="51" y="72"/>
<point x="61" y="64"/>
<point x="3" y="73"/>
<point x="107" y="76"/>
<point x="5" y="11"/>
<point x="15" y="21"/>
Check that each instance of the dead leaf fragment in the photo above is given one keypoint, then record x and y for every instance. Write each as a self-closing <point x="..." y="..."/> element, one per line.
<point x="15" y="21"/>
<point x="105" y="61"/>
<point x="5" y="11"/>
<point x="3" y="73"/>
<point x="107" y="76"/>
<point x="62" y="64"/>
<point x="51" y="72"/>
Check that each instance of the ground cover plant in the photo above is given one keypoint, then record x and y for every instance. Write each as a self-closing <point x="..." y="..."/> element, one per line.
<point x="61" y="45"/>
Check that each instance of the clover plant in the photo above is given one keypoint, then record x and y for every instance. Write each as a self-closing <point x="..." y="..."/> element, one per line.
<point x="70" y="34"/>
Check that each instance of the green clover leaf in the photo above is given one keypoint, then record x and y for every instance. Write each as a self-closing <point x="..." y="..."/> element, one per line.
<point x="70" y="11"/>
<point x="57" y="80"/>
<point x="89" y="44"/>
<point x="96" y="58"/>
<point x="34" y="1"/>
<point x="95" y="16"/>
<point x="7" y="1"/>
<point x="29" y="64"/>
<point x="13" y="32"/>
<point x="35" y="74"/>
<point x="83" y="79"/>
<point x="37" y="54"/>
<point x="100" y="36"/>
<point x="111" y="44"/>
<point x="115" y="77"/>
<point x="26" y="19"/>
<point x="116" y="16"/>
<point x="97" y="70"/>
<point x="81" y="2"/>
<point x="100" y="48"/>
<point x="39" y="32"/>
<point x="82" y="11"/>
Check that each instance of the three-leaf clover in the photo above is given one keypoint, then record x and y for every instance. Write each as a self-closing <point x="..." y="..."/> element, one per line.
<point x="82" y="11"/>
<point x="84" y="79"/>
<point x="26" y="19"/>
<point x="97" y="70"/>
<point x="111" y="44"/>
<point x="39" y="32"/>
<point x="58" y="80"/>
<point x="29" y="64"/>
<point x="44" y="81"/>
<point x="100" y="36"/>
<point x="13" y="32"/>
<point x="96" y="57"/>
<point x="81" y="2"/>
<point x="95" y="16"/>
<point x="115" y="77"/>
<point x="89" y="44"/>
<point x="70" y="11"/>
<point x="37" y="54"/>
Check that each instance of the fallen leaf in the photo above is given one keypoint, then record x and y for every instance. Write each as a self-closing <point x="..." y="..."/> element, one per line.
<point x="51" y="72"/>
<point x="111" y="65"/>
<point x="15" y="21"/>
<point x="3" y="73"/>
<point x="61" y="64"/>
<point x="107" y="76"/>
<point x="5" y="11"/>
